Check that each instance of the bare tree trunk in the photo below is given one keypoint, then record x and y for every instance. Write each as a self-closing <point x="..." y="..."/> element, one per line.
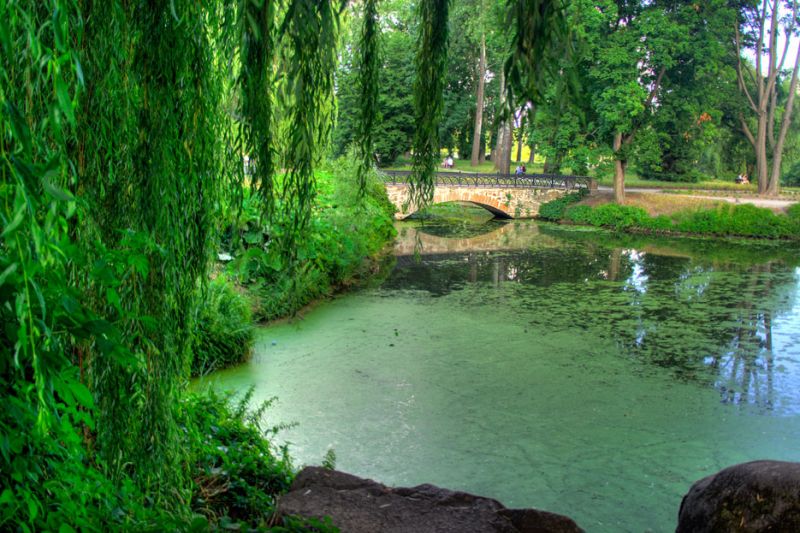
<point x="619" y="171"/>
<point x="477" y="142"/>
<point x="532" y="156"/>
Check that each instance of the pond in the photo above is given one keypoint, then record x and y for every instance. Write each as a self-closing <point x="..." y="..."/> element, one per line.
<point x="565" y="369"/>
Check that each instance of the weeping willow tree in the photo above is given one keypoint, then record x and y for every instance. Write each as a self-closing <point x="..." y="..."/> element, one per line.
<point x="539" y="39"/>
<point x="368" y="88"/>
<point x="429" y="95"/>
<point x="151" y="168"/>
<point x="123" y="130"/>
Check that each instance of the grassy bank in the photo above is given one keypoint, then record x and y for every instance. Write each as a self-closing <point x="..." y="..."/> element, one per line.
<point x="345" y="234"/>
<point x="675" y="215"/>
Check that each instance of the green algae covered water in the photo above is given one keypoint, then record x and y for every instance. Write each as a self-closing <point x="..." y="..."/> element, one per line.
<point x="563" y="369"/>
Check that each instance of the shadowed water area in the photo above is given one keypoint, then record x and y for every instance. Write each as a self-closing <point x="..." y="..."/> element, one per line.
<point x="569" y="370"/>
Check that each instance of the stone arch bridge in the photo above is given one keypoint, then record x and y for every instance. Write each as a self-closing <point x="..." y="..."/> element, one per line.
<point x="505" y="196"/>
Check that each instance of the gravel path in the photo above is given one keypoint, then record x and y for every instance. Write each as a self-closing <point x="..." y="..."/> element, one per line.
<point x="770" y="203"/>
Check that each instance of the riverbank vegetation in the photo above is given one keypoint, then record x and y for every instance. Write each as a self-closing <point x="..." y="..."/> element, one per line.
<point x="141" y="143"/>
<point x="710" y="218"/>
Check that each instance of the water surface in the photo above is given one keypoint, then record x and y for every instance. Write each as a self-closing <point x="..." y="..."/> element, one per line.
<point x="563" y="369"/>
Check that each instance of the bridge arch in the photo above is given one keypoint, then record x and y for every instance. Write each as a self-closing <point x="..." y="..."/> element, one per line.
<point x="496" y="211"/>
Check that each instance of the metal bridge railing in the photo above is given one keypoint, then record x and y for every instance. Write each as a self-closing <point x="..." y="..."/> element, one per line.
<point x="524" y="181"/>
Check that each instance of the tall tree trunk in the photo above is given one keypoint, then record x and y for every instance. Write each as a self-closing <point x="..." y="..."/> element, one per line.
<point x="477" y="142"/>
<point x="508" y="141"/>
<point x="761" y="154"/>
<point x="519" y="141"/>
<point x="619" y="170"/>
<point x="497" y="154"/>
<point x="531" y="122"/>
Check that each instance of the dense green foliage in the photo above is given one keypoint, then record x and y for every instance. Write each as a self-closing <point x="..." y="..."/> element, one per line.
<point x="743" y="220"/>
<point x="431" y="62"/>
<point x="554" y="209"/>
<point x="344" y="230"/>
<point x="224" y="334"/>
<point x="236" y="472"/>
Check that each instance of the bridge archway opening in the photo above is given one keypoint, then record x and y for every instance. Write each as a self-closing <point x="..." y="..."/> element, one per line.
<point x="490" y="209"/>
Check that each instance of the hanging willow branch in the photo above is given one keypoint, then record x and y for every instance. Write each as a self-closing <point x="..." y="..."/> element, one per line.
<point x="257" y="20"/>
<point x="309" y="60"/>
<point x="539" y="41"/>
<point x="428" y="96"/>
<point x="368" y="81"/>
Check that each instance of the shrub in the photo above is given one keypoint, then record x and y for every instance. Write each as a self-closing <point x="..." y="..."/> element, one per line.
<point x="345" y="228"/>
<point x="237" y="471"/>
<point x="224" y="335"/>
<point x="554" y="209"/>
<point x="744" y="220"/>
<point x="737" y="220"/>
<point x="608" y="215"/>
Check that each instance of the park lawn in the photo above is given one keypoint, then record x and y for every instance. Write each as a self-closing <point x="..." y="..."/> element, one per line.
<point x="655" y="204"/>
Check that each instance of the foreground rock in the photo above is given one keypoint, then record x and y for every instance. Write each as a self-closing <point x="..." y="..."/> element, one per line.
<point x="362" y="505"/>
<point x="750" y="497"/>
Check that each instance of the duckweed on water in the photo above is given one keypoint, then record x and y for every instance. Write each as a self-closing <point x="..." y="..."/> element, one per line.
<point x="577" y="373"/>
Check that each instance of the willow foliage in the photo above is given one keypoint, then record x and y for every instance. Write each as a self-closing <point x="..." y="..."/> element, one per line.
<point x="368" y="88"/>
<point x="256" y="79"/>
<point x="428" y="95"/>
<point x="151" y="166"/>
<point x="539" y="39"/>
<point x="308" y="36"/>
<point x="132" y="109"/>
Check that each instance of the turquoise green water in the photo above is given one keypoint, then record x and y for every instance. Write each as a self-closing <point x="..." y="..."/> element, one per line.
<point x="561" y="369"/>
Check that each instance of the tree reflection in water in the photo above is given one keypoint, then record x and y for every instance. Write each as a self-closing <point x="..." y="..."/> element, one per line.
<point x="703" y="311"/>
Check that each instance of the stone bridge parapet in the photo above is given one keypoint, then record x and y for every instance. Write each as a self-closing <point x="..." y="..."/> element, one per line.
<point x="511" y="202"/>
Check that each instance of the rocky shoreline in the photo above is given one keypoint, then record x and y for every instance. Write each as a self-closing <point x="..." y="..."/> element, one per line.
<point x="758" y="496"/>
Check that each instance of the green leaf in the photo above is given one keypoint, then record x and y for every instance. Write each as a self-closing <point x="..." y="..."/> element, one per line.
<point x="15" y="222"/>
<point x="56" y="192"/>
<point x="113" y="298"/>
<point x="64" y="101"/>
<point x="6" y="497"/>
<point x="82" y="394"/>
<point x="7" y="272"/>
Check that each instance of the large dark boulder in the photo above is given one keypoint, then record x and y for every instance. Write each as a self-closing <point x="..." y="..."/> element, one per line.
<point x="362" y="505"/>
<point x="756" y="496"/>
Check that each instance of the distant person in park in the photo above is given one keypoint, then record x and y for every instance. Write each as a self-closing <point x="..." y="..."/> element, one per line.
<point x="518" y="171"/>
<point x="524" y="170"/>
<point x="741" y="179"/>
<point x="449" y="161"/>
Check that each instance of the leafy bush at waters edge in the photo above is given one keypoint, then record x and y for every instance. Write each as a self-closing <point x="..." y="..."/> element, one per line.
<point x="745" y="220"/>
<point x="237" y="473"/>
<point x="554" y="209"/>
<point x="343" y="231"/>
<point x="224" y="335"/>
